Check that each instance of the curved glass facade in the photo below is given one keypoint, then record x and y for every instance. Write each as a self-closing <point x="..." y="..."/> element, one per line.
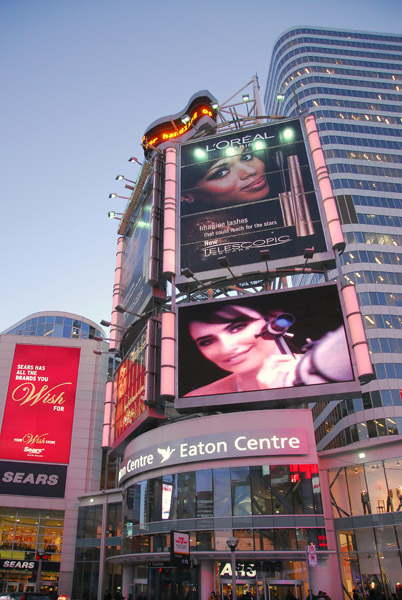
<point x="316" y="68"/>
<point x="214" y="504"/>
<point x="58" y="325"/>
<point x="371" y="490"/>
<point x="352" y="83"/>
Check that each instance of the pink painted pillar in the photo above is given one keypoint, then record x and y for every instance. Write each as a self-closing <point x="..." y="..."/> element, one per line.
<point x="324" y="183"/>
<point x="168" y="344"/>
<point x="207" y="579"/>
<point x="169" y="232"/>
<point x="115" y="332"/>
<point x="357" y="333"/>
<point x="107" y="415"/>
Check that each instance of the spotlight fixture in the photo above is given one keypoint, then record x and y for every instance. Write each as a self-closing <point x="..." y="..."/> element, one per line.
<point x="113" y="215"/>
<point x="308" y="253"/>
<point x="190" y="275"/>
<point x="105" y="323"/>
<point x="113" y="195"/>
<point x="133" y="159"/>
<point x="224" y="262"/>
<point x="122" y="178"/>
<point x="110" y="351"/>
<point x="280" y="97"/>
<point x="185" y="119"/>
<point x="265" y="255"/>
<point x="215" y="106"/>
<point x="122" y="309"/>
<point x="245" y="97"/>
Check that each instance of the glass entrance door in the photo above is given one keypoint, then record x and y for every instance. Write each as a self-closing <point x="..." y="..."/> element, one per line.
<point x="242" y="587"/>
<point x="285" y="590"/>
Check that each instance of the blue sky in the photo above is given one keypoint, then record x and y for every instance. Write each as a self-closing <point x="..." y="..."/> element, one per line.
<point x="81" y="81"/>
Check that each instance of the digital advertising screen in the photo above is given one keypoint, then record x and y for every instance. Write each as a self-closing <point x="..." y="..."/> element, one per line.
<point x="136" y="289"/>
<point x="244" y="192"/>
<point x="39" y="411"/>
<point x="130" y="387"/>
<point x="260" y="347"/>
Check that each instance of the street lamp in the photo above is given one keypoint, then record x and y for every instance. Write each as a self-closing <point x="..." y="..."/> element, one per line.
<point x="232" y="544"/>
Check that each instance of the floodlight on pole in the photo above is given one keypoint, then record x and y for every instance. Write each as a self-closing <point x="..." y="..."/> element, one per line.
<point x="122" y="178"/>
<point x="113" y="195"/>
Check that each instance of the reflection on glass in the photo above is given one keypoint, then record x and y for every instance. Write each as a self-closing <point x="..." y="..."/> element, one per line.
<point x="339" y="493"/>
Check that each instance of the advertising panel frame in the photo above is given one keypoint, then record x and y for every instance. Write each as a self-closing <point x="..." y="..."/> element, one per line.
<point x="296" y="299"/>
<point x="290" y="178"/>
<point x="145" y="398"/>
<point x="38" y="416"/>
<point x="137" y="290"/>
<point x="33" y="479"/>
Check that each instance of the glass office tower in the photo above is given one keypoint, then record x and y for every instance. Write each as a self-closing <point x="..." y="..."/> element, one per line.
<point x="352" y="82"/>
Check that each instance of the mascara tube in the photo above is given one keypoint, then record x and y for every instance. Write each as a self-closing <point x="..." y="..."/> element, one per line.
<point x="304" y="224"/>
<point x="285" y="199"/>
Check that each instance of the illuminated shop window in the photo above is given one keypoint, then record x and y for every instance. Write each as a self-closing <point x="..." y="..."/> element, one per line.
<point x="372" y="488"/>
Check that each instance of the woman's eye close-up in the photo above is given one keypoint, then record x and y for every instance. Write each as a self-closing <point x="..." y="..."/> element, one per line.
<point x="203" y="343"/>
<point x="219" y="173"/>
<point x="237" y="327"/>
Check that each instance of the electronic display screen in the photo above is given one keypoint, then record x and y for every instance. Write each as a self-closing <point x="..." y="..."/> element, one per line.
<point x="280" y="340"/>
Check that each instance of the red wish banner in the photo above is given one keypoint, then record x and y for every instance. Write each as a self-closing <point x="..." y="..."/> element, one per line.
<point x="39" y="411"/>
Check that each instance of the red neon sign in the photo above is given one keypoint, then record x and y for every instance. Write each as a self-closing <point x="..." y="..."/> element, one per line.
<point x="39" y="411"/>
<point x="176" y="128"/>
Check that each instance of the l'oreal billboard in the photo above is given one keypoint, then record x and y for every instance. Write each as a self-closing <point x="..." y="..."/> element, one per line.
<point x="244" y="192"/>
<point x="278" y="345"/>
<point x="39" y="411"/>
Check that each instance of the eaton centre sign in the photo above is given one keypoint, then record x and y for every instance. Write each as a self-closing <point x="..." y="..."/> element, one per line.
<point x="240" y="444"/>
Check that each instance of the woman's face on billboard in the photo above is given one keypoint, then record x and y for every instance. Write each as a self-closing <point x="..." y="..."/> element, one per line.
<point x="235" y="346"/>
<point x="237" y="178"/>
